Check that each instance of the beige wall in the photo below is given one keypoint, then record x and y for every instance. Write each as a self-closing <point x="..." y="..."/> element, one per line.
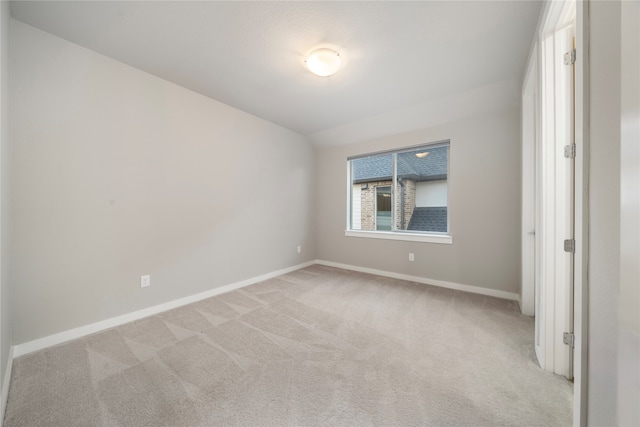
<point x="5" y="152"/>
<point x="629" y="316"/>
<point x="484" y="207"/>
<point x="117" y="173"/>
<point x="604" y="212"/>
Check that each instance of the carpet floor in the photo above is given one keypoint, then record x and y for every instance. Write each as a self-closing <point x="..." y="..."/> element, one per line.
<point x="317" y="346"/>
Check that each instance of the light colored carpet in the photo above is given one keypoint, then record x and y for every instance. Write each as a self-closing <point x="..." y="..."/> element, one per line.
<point x="318" y="346"/>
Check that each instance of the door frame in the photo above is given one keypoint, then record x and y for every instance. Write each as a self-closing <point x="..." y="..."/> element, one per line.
<point x="581" y="226"/>
<point x="391" y="216"/>
<point x="551" y="19"/>
<point x="530" y="134"/>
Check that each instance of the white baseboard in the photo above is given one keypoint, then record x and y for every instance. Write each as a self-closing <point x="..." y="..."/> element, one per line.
<point x="4" y="396"/>
<point x="71" y="334"/>
<point x="441" y="283"/>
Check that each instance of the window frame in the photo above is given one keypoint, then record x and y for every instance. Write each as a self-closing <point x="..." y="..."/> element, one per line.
<point x="403" y="235"/>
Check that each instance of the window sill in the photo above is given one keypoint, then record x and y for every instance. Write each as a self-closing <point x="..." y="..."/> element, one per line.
<point x="388" y="235"/>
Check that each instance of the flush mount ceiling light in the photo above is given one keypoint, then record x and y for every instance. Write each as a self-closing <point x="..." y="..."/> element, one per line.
<point x="422" y="155"/>
<point x="323" y="62"/>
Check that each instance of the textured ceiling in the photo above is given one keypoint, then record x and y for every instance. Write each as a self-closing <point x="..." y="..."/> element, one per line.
<point x="397" y="56"/>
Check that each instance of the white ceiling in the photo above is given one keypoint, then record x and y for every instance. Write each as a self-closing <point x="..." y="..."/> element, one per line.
<point x="406" y="65"/>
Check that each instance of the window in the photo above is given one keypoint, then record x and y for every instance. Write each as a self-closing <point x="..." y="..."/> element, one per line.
<point x="383" y="208"/>
<point x="401" y="194"/>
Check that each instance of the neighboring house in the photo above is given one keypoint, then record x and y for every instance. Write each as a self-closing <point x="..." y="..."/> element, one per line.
<point x="421" y="191"/>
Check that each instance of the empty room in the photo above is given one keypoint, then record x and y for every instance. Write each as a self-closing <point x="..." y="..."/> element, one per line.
<point x="320" y="213"/>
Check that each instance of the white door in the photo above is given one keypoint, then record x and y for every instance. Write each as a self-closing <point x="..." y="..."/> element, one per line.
<point x="565" y="193"/>
<point x="553" y="201"/>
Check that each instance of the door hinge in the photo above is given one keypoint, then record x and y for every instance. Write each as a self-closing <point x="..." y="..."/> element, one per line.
<point x="570" y="57"/>
<point x="570" y="245"/>
<point x="570" y="151"/>
<point x="569" y="339"/>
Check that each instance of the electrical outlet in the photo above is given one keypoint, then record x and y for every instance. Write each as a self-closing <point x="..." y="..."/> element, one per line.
<point x="145" y="281"/>
<point x="411" y="257"/>
<point x="299" y="249"/>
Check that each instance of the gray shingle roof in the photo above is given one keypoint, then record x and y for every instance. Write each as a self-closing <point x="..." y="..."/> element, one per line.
<point x="429" y="219"/>
<point x="374" y="168"/>
<point x="380" y="168"/>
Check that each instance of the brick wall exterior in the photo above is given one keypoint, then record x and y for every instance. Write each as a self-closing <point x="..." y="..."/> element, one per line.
<point x="368" y="203"/>
<point x="409" y="203"/>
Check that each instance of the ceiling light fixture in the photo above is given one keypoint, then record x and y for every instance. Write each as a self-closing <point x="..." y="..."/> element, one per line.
<point x="422" y="155"/>
<point x="323" y="62"/>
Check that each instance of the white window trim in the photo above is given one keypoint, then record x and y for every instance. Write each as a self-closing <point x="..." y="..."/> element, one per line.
<point x="407" y="237"/>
